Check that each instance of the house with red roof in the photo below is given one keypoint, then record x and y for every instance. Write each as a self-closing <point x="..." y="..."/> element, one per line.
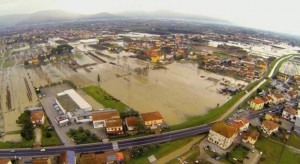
<point x="250" y="136"/>
<point x="222" y="134"/>
<point x="240" y="124"/>
<point x="269" y="127"/>
<point x="257" y="103"/>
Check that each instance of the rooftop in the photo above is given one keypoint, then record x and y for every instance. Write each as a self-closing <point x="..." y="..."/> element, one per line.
<point x="290" y="110"/>
<point x="67" y="103"/>
<point x="254" y="134"/>
<point x="151" y="116"/>
<point x="105" y="115"/>
<point x="131" y="121"/>
<point x="270" y="125"/>
<point x="223" y="129"/>
<point x="36" y="115"/>
<point x="258" y="101"/>
<point x="111" y="123"/>
<point x="76" y="98"/>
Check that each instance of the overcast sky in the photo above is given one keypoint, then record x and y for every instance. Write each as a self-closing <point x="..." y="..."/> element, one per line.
<point x="273" y="15"/>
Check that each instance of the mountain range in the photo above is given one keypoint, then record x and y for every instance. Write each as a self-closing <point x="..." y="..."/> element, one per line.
<point x="46" y="16"/>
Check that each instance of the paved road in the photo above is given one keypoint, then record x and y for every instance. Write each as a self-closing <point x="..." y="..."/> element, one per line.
<point x="249" y="93"/>
<point x="169" y="136"/>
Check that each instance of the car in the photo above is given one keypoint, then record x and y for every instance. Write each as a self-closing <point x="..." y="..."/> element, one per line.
<point x="252" y="151"/>
<point x="12" y="151"/>
<point x="234" y="159"/>
<point x="260" y="153"/>
<point x="218" y="158"/>
<point x="247" y="157"/>
<point x="43" y="149"/>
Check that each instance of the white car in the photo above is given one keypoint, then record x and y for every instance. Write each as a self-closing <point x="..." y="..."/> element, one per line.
<point x="43" y="149"/>
<point x="12" y="151"/>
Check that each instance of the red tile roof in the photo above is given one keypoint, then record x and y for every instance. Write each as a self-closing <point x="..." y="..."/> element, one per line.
<point x="223" y="129"/>
<point x="151" y="116"/>
<point x="258" y="101"/>
<point x="291" y="110"/>
<point x="131" y="121"/>
<point x="270" y="125"/>
<point x="254" y="134"/>
<point x="36" y="115"/>
<point x="105" y="115"/>
<point x="239" y="122"/>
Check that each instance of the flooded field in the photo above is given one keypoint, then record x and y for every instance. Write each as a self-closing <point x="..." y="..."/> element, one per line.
<point x="178" y="92"/>
<point x="16" y="95"/>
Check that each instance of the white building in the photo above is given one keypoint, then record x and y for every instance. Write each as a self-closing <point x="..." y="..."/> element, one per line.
<point x="222" y="135"/>
<point x="70" y="100"/>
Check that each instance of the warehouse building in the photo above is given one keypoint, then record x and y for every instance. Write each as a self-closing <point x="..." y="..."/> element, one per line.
<point x="70" y="101"/>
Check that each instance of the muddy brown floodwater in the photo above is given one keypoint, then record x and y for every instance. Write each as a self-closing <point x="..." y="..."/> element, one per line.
<point x="178" y="92"/>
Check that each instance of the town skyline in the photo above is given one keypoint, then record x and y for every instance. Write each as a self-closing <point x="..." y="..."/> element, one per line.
<point x="254" y="14"/>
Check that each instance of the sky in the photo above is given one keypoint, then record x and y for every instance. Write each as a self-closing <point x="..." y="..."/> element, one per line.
<point x="272" y="15"/>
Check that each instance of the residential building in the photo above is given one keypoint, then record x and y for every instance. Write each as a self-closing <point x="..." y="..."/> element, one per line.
<point x="289" y="113"/>
<point x="257" y="103"/>
<point x="104" y="158"/>
<point x="67" y="157"/>
<point x="41" y="161"/>
<point x="132" y="123"/>
<point x="292" y="94"/>
<point x="277" y="98"/>
<point x="114" y="126"/>
<point x="240" y="124"/>
<point x="222" y="135"/>
<point x="99" y="119"/>
<point x="37" y="117"/>
<point x="251" y="136"/>
<point x="152" y="119"/>
<point x="269" y="127"/>
<point x="271" y="117"/>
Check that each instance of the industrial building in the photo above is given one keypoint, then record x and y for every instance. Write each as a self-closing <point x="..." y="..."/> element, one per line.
<point x="70" y="101"/>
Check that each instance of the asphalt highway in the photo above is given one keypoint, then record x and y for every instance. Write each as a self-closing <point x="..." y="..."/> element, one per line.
<point x="127" y="143"/>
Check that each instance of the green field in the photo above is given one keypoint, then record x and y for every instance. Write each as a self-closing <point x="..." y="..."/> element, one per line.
<point x="239" y="153"/>
<point x="104" y="98"/>
<point x="274" y="152"/>
<point x="289" y="157"/>
<point x="294" y="141"/>
<point x="23" y="144"/>
<point x="161" y="151"/>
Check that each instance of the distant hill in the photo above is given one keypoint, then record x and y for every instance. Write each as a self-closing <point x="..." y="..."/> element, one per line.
<point x="46" y="16"/>
<point x="164" y="14"/>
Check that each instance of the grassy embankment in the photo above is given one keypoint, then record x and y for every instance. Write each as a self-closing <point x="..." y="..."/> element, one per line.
<point x="104" y="98"/>
<point x="163" y="150"/>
